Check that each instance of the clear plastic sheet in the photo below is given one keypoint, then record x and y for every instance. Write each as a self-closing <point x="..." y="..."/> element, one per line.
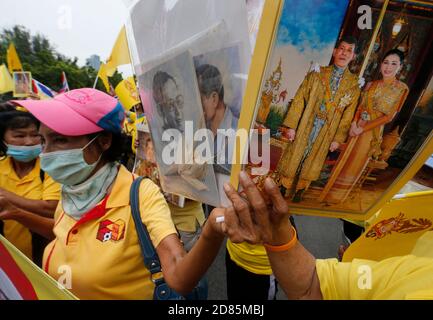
<point x="255" y="10"/>
<point x="191" y="58"/>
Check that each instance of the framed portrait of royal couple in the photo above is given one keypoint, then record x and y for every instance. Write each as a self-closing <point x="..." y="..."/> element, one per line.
<point x="346" y="98"/>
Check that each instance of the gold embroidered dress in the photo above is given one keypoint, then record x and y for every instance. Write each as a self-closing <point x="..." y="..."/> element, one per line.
<point x="380" y="102"/>
<point x="321" y="113"/>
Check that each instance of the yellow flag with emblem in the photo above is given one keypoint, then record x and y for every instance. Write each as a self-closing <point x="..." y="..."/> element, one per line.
<point x="127" y="93"/>
<point x="119" y="54"/>
<point x="6" y="82"/>
<point x="394" y="230"/>
<point x="14" y="63"/>
<point x="21" y="279"/>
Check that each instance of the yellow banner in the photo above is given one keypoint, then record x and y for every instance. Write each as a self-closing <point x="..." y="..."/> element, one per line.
<point x="6" y="82"/>
<point x="120" y="53"/>
<point x="127" y="93"/>
<point x="14" y="63"/>
<point x="395" y="230"/>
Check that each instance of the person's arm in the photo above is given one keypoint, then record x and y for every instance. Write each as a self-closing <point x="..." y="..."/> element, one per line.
<point x="41" y="225"/>
<point x="295" y="270"/>
<point x="182" y="271"/>
<point x="44" y="208"/>
<point x="384" y="118"/>
<point x="267" y="221"/>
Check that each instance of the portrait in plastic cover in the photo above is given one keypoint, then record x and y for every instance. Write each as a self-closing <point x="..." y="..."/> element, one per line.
<point x="174" y="114"/>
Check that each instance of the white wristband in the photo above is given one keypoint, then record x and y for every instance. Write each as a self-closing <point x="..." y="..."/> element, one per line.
<point x="220" y="219"/>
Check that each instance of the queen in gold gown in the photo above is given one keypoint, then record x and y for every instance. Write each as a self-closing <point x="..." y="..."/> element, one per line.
<point x="380" y="102"/>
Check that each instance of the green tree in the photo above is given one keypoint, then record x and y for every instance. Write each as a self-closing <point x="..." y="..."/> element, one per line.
<point x="38" y="56"/>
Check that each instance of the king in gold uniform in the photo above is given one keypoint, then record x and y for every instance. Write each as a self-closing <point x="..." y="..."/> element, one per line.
<point x="319" y="119"/>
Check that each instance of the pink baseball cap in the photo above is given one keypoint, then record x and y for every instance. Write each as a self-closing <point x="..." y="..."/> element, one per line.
<point x="78" y="112"/>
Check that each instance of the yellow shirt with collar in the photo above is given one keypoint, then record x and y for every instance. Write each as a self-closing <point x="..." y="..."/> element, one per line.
<point x="189" y="217"/>
<point x="30" y="187"/>
<point x="250" y="257"/>
<point x="406" y="277"/>
<point x="103" y="256"/>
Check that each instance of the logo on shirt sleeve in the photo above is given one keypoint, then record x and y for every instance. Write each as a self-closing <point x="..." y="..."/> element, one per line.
<point x="111" y="231"/>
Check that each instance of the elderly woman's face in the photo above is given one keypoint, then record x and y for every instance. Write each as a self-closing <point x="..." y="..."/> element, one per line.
<point x="28" y="136"/>
<point x="53" y="141"/>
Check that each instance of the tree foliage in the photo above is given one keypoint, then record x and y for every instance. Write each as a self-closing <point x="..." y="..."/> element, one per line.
<point x="39" y="56"/>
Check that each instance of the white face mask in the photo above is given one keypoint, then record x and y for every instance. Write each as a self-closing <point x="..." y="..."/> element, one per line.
<point x="68" y="167"/>
<point x="79" y="199"/>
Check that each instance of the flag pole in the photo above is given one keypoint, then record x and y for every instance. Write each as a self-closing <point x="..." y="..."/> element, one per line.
<point x="96" y="81"/>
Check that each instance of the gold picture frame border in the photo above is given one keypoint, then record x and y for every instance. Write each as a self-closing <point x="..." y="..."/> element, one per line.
<point x="22" y="95"/>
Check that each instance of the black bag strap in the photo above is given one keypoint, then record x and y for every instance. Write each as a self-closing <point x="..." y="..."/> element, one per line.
<point x="42" y="175"/>
<point x="150" y="257"/>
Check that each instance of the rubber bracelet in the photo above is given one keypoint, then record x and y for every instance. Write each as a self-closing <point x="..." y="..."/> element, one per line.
<point x="284" y="247"/>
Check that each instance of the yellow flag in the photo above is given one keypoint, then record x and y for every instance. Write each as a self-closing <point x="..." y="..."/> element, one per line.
<point x="102" y="73"/>
<point x="6" y="82"/>
<point x="127" y="93"/>
<point x="395" y="230"/>
<point x="14" y="63"/>
<point x="120" y="53"/>
<point x="21" y="279"/>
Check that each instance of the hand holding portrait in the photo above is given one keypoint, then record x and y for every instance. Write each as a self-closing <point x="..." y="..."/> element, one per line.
<point x="257" y="217"/>
<point x="355" y="130"/>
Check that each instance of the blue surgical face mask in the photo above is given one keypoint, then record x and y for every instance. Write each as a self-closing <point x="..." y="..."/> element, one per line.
<point x="68" y="167"/>
<point x="24" y="153"/>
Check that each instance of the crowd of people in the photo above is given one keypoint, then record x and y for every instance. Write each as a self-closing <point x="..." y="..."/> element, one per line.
<point x="65" y="200"/>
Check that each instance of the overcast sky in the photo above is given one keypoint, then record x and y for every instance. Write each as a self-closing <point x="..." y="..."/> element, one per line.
<point x="77" y="28"/>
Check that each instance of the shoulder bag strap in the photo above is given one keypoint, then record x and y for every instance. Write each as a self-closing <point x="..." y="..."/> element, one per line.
<point x="150" y="257"/>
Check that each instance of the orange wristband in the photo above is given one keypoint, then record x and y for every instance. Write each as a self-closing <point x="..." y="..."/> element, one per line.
<point x="284" y="247"/>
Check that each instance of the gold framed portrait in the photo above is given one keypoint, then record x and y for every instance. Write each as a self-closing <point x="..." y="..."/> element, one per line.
<point x="346" y="121"/>
<point x="22" y="84"/>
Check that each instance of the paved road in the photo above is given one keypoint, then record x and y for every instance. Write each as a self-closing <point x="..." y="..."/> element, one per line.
<point x="321" y="236"/>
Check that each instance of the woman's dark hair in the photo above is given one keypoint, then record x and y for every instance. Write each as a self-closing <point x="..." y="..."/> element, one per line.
<point x="396" y="52"/>
<point x="6" y="106"/>
<point x="11" y="120"/>
<point x="120" y="147"/>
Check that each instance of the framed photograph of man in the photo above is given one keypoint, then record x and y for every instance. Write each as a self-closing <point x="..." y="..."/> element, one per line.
<point x="172" y="104"/>
<point x="221" y="90"/>
<point x="22" y="84"/>
<point x="340" y="141"/>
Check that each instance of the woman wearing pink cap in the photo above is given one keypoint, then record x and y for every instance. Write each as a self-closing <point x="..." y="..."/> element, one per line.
<point x="96" y="252"/>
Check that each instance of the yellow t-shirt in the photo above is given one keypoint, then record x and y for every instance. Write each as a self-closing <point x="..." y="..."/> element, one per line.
<point x="186" y="218"/>
<point x="252" y="258"/>
<point x="102" y="252"/>
<point x="397" y="278"/>
<point x="30" y="187"/>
